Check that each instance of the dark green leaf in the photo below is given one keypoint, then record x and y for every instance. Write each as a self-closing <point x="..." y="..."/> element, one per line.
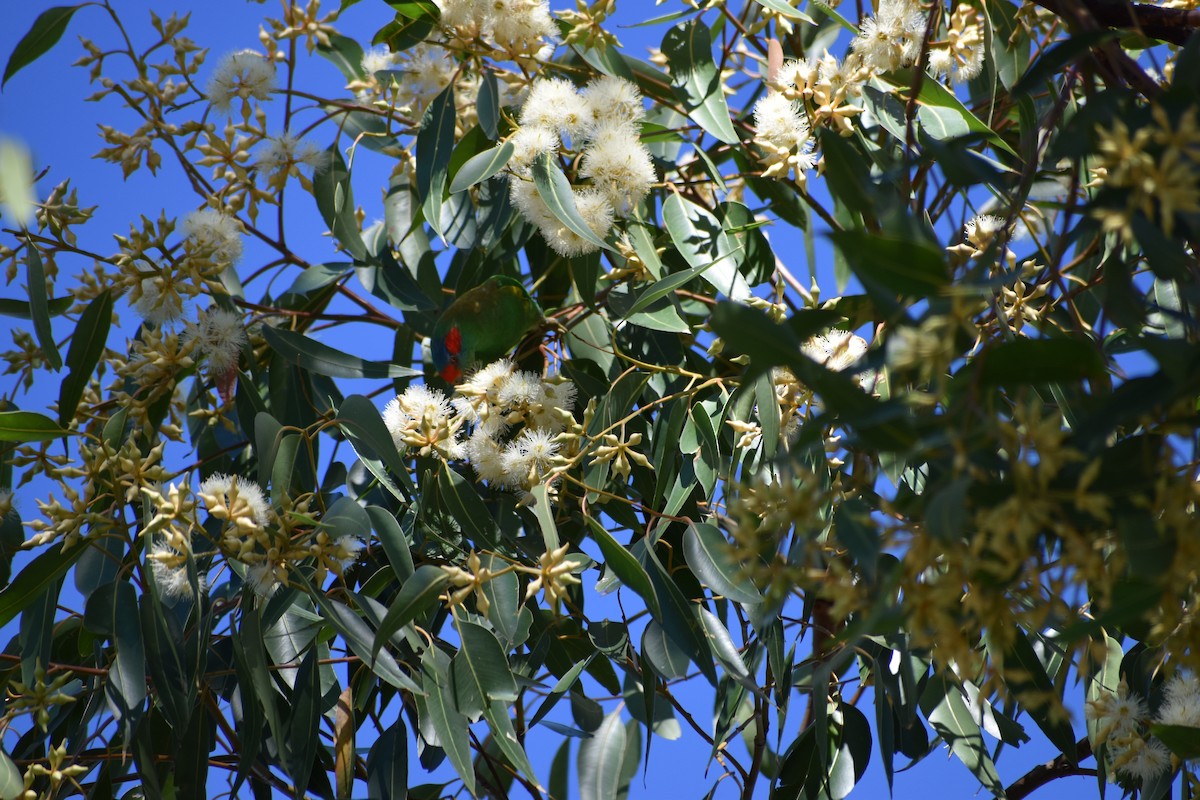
<point x="697" y="80"/>
<point x="487" y="105"/>
<point x="480" y="669"/>
<point x="361" y="422"/>
<point x="87" y="345"/>
<point x="417" y="595"/>
<point x="335" y="200"/>
<point x="854" y="528"/>
<point x="28" y="426"/>
<point x="322" y="359"/>
<point x="1024" y="361"/>
<point x="304" y="720"/>
<point x="47" y="29"/>
<point x="600" y="760"/>
<point x="442" y="717"/>
<point x="1183" y="741"/>
<point x="435" y="145"/>
<point x="559" y="197"/>
<point x="708" y="554"/>
<point x="947" y="711"/>
<point x="467" y="507"/>
<point x="34" y="578"/>
<point x="346" y="54"/>
<point x="481" y="166"/>
<point x="39" y="305"/>
<point x="1028" y="682"/>
<point x="395" y="543"/>
<point x="624" y="565"/>
<point x="22" y="310"/>
<point x="387" y="764"/>
<point x="898" y="265"/>
<point x="704" y="244"/>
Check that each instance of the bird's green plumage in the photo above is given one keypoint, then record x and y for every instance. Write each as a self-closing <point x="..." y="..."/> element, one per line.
<point x="483" y="324"/>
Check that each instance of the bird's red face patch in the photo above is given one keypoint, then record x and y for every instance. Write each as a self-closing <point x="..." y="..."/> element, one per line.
<point x="454" y="341"/>
<point x="452" y="372"/>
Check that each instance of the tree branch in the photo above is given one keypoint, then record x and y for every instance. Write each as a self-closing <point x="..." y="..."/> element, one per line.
<point x="1173" y="25"/>
<point x="1042" y="774"/>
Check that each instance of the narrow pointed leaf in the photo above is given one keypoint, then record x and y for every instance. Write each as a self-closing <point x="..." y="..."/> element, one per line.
<point x="387" y="764"/>
<point x="322" y="359"/>
<point x="417" y="595"/>
<point x="697" y="80"/>
<point x="28" y="426"/>
<point x="47" y="29"/>
<point x="39" y="306"/>
<point x="600" y="760"/>
<point x="480" y="167"/>
<point x="708" y="555"/>
<point x="559" y="197"/>
<point x="703" y="243"/>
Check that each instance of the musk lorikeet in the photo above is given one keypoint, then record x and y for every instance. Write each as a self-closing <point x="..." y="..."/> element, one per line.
<point x="481" y="325"/>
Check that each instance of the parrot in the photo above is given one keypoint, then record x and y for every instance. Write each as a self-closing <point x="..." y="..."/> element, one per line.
<point x="481" y="325"/>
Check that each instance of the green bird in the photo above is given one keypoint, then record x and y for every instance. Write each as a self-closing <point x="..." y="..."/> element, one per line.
<point x="481" y="325"/>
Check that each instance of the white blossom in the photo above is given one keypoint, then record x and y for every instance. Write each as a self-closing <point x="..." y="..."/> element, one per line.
<point x="282" y="153"/>
<point x="618" y="165"/>
<point x="245" y="74"/>
<point x="214" y="234"/>
<point x="554" y="104"/>
<point x="892" y="38"/>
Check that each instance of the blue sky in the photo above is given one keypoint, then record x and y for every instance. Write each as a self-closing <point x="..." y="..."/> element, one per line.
<point x="43" y="106"/>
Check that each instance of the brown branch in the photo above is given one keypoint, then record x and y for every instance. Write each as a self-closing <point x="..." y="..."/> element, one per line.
<point x="1173" y="25"/>
<point x="1042" y="774"/>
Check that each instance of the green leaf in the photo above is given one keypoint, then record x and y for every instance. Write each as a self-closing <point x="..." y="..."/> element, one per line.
<point x="505" y="736"/>
<point x="176" y="695"/>
<point x="28" y="426"/>
<point x="335" y="200"/>
<point x="395" y="543"/>
<point x="416" y="595"/>
<point x="465" y="504"/>
<point x="38" y="574"/>
<point x="936" y="95"/>
<point x="487" y="105"/>
<point x="435" y="146"/>
<point x="362" y="424"/>
<point x="858" y="534"/>
<point x="442" y="717"/>
<point x="668" y="658"/>
<point x="404" y="32"/>
<point x="1024" y="361"/>
<point x="126" y="684"/>
<point x="696" y="79"/>
<point x="724" y="649"/>
<point x="785" y="10"/>
<point x="624" y="565"/>
<point x="318" y="276"/>
<point x="304" y="721"/>
<point x="600" y="760"/>
<point x="1028" y="682"/>
<point x="708" y="555"/>
<point x="322" y="359"/>
<point x="39" y="306"/>
<point x="898" y="265"/>
<point x="22" y="310"/>
<point x="559" y="197"/>
<point x="1053" y="61"/>
<point x="11" y="785"/>
<point x="947" y="712"/>
<point x="848" y="763"/>
<point x="346" y="54"/>
<point x="703" y="243"/>
<point x="47" y="29"/>
<point x="387" y="764"/>
<point x="87" y="345"/>
<point x="1182" y="740"/>
<point x="480" y="670"/>
<point x="504" y="598"/>
<point x="481" y="166"/>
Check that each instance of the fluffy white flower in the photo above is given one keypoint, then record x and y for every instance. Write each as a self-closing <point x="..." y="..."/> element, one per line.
<point x="220" y="335"/>
<point x="378" y="59"/>
<point x="214" y="235"/>
<point x="596" y="211"/>
<point x="169" y="570"/>
<point x="525" y="27"/>
<point x="1142" y="759"/>
<point x="980" y="230"/>
<point x="427" y="71"/>
<point x="779" y="120"/>
<point x="612" y="101"/>
<point x="160" y="300"/>
<point x="892" y="38"/>
<point x="423" y="418"/>
<point x="349" y="549"/>
<point x="529" y="143"/>
<point x="281" y="153"/>
<point x="245" y="74"/>
<point x="555" y="411"/>
<point x="618" y="165"/>
<point x="236" y="499"/>
<point x="554" y="104"/>
<point x="486" y="457"/>
<point x="521" y="390"/>
<point x="263" y="579"/>
<point x="1181" y="702"/>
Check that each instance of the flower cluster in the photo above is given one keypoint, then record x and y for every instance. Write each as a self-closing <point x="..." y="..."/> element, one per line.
<point x="242" y="75"/>
<point x="1121" y="719"/>
<point x="503" y="421"/>
<point x="599" y="125"/>
<point x="267" y="543"/>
